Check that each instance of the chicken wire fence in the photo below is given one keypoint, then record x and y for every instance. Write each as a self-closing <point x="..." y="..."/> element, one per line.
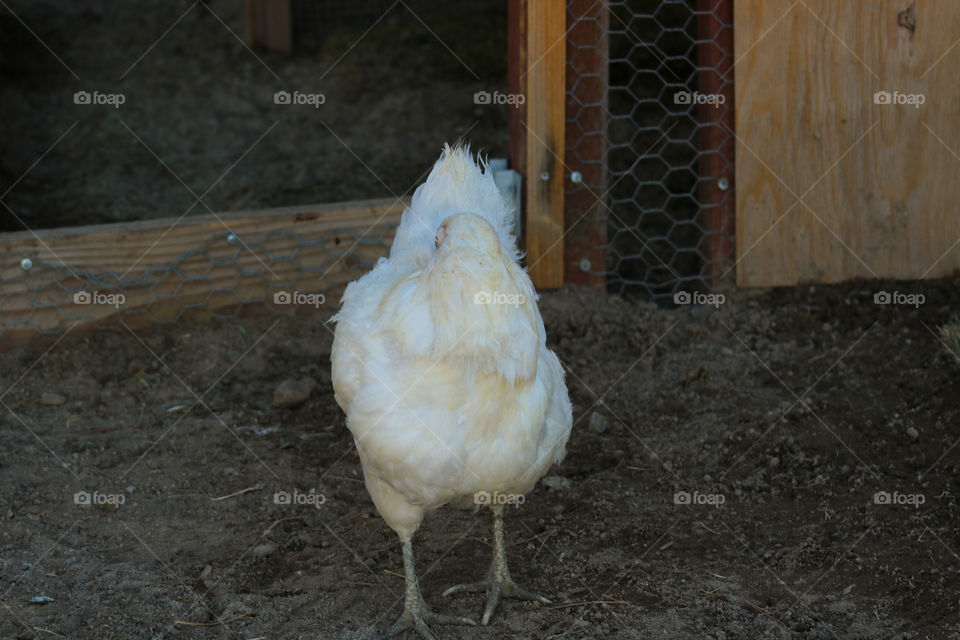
<point x="657" y="237"/>
<point x="636" y="77"/>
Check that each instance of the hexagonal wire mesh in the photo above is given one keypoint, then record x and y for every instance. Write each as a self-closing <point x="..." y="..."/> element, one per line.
<point x="649" y="129"/>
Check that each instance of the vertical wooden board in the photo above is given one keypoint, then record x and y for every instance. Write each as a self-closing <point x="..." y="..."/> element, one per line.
<point x="516" y="74"/>
<point x="715" y="138"/>
<point x="587" y="109"/>
<point x="269" y="25"/>
<point x="877" y="181"/>
<point x="544" y="83"/>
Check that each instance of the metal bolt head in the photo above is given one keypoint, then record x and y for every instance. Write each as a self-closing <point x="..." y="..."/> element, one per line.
<point x="576" y="177"/>
<point x="26" y="264"/>
<point x="545" y="176"/>
<point x="585" y="265"/>
<point x="232" y="239"/>
<point x="723" y="184"/>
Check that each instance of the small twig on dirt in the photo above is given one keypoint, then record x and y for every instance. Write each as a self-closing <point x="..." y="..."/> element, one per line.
<point x="716" y="533"/>
<point x="352" y="516"/>
<point x="93" y="430"/>
<point x="640" y="468"/>
<point x="210" y="624"/>
<point x="255" y="487"/>
<point x="48" y="631"/>
<point x="394" y="573"/>
<point x="759" y="608"/>
<point x="586" y="602"/>
<point x="666" y="546"/>
<point x="282" y="520"/>
<point x="717" y="575"/>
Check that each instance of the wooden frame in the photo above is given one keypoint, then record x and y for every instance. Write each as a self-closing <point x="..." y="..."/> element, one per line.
<point x="269" y="25"/>
<point x="214" y="269"/>
<point x="715" y="60"/>
<point x="537" y="69"/>
<point x="587" y="109"/>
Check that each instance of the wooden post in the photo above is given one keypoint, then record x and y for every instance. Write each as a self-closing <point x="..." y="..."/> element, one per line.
<point x="715" y="61"/>
<point x="537" y="71"/>
<point x="270" y="25"/>
<point x="588" y="64"/>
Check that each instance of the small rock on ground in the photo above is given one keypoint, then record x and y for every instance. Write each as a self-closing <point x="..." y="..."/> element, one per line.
<point x="51" y="399"/>
<point x="291" y="393"/>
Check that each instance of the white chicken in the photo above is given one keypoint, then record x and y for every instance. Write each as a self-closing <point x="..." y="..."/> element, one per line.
<point x="441" y="366"/>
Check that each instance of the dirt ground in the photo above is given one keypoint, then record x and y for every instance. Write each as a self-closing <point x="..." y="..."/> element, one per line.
<point x="783" y="414"/>
<point x="698" y="400"/>
<point x="199" y="119"/>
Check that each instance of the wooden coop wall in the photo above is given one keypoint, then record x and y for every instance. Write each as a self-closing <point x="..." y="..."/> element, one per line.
<point x="831" y="185"/>
<point x="218" y="264"/>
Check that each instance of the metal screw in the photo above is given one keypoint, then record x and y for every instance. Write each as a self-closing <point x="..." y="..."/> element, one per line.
<point x="232" y="239"/>
<point x="26" y="264"/>
<point x="723" y="184"/>
<point x="545" y="176"/>
<point x="585" y="265"/>
<point x="576" y="177"/>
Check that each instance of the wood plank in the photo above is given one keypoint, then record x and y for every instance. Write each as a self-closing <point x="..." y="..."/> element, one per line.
<point x="516" y="68"/>
<point x="544" y="89"/>
<point x="716" y="140"/>
<point x="164" y="267"/>
<point x="587" y="110"/>
<point x="880" y="176"/>
<point x="269" y="25"/>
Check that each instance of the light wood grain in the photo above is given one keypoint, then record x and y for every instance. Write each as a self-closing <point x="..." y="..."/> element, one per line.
<point x="164" y="267"/>
<point x="879" y="189"/>
<point x="544" y="84"/>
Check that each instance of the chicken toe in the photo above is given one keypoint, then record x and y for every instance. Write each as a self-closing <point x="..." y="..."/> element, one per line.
<point x="416" y="615"/>
<point x="498" y="583"/>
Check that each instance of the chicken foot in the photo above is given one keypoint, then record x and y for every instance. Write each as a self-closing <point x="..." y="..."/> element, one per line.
<point x="498" y="583"/>
<point x="416" y="614"/>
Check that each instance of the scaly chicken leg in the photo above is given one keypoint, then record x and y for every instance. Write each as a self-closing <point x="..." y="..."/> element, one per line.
<point x="498" y="582"/>
<point x="416" y="614"/>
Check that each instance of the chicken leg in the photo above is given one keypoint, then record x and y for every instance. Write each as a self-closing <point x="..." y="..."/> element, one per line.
<point x="416" y="614"/>
<point x="498" y="582"/>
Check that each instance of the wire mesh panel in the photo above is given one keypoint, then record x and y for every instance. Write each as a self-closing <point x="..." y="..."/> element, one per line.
<point x="649" y="140"/>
